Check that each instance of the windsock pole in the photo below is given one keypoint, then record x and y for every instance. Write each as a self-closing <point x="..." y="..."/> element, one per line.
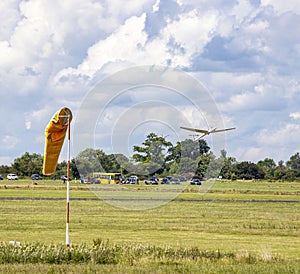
<point x="68" y="185"/>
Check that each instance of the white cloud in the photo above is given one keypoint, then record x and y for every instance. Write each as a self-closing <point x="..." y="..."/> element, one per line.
<point x="242" y="10"/>
<point x="8" y="142"/>
<point x="295" y="115"/>
<point x="245" y="52"/>
<point x="175" y="45"/>
<point x="252" y="154"/>
<point x="192" y="31"/>
<point x="283" y="6"/>
<point x="286" y="136"/>
<point x="278" y="144"/>
<point x="9" y="16"/>
<point x="155" y="7"/>
<point x="124" y="44"/>
<point x="264" y="98"/>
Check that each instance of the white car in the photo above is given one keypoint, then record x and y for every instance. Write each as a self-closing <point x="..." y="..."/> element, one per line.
<point x="12" y="177"/>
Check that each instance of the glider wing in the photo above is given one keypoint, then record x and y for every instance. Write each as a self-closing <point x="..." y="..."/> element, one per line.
<point x="196" y="130"/>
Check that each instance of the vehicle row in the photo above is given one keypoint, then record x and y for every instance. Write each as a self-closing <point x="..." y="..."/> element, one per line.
<point x="153" y="180"/>
<point x="12" y="176"/>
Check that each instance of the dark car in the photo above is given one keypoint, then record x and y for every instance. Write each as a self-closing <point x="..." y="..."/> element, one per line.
<point x="165" y="181"/>
<point x="196" y="182"/>
<point x="152" y="181"/>
<point x="35" y="177"/>
<point x="1" y="178"/>
<point x="182" y="179"/>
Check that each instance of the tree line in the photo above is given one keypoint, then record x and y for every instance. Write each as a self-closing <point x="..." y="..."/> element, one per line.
<point x="157" y="156"/>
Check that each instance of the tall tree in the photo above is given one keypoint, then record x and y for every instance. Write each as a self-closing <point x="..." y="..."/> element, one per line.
<point x="268" y="166"/>
<point x="154" y="153"/>
<point x="227" y="171"/>
<point x="189" y="149"/>
<point x="28" y="164"/>
<point x="294" y="162"/>
<point x="89" y="160"/>
<point x="280" y="171"/>
<point x="247" y="170"/>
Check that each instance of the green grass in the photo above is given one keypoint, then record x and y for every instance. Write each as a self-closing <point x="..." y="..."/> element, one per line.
<point x="224" y="220"/>
<point x="133" y="256"/>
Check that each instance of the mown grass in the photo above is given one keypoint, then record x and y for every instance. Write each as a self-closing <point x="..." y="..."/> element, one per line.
<point x="216" y="222"/>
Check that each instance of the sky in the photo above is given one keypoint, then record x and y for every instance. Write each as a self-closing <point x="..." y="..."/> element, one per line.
<point x="244" y="54"/>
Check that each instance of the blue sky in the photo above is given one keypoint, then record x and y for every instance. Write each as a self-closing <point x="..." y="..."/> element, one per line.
<point x="245" y="53"/>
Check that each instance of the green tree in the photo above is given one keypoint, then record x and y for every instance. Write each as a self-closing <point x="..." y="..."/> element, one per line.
<point x="186" y="166"/>
<point x="189" y="149"/>
<point x="293" y="165"/>
<point x="61" y="169"/>
<point x="227" y="171"/>
<point x="268" y="166"/>
<point x="153" y="154"/>
<point x="4" y="169"/>
<point x="74" y="170"/>
<point x="95" y="160"/>
<point x="294" y="162"/>
<point x="114" y="162"/>
<point x="247" y="170"/>
<point x="89" y="160"/>
<point x="28" y="164"/>
<point x="208" y="165"/>
<point x="280" y="171"/>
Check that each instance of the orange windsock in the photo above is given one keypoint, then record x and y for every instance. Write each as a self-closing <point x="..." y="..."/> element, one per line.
<point x="55" y="135"/>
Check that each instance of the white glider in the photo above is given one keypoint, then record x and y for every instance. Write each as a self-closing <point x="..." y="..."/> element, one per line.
<point x="206" y="132"/>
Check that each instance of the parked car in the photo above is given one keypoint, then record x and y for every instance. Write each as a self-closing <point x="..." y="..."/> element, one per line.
<point x="12" y="176"/>
<point x="195" y="182"/>
<point x="35" y="177"/>
<point x="182" y="179"/>
<point x="152" y="181"/>
<point x="175" y="181"/>
<point x="135" y="179"/>
<point x="1" y="178"/>
<point x="165" y="181"/>
<point x="131" y="180"/>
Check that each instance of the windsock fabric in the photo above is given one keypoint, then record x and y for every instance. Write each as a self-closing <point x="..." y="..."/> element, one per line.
<point x="55" y="134"/>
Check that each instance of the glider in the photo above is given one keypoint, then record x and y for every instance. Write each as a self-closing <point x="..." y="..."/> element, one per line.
<point x="206" y="132"/>
<point x="55" y="134"/>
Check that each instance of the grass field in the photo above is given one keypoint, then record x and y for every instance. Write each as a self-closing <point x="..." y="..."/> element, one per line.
<point x="258" y="223"/>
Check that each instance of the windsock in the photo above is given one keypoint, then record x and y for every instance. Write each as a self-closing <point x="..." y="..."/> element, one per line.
<point x="55" y="134"/>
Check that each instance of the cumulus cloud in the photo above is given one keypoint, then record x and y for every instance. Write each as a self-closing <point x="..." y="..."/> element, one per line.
<point x="281" y="6"/>
<point x="295" y="115"/>
<point x="264" y="98"/>
<point x="280" y="143"/>
<point x="245" y="52"/>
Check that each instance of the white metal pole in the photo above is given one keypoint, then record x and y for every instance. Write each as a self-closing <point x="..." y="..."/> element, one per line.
<point x="68" y="186"/>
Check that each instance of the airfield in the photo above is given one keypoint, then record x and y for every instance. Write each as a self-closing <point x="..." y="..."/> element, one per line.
<point x="258" y="222"/>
